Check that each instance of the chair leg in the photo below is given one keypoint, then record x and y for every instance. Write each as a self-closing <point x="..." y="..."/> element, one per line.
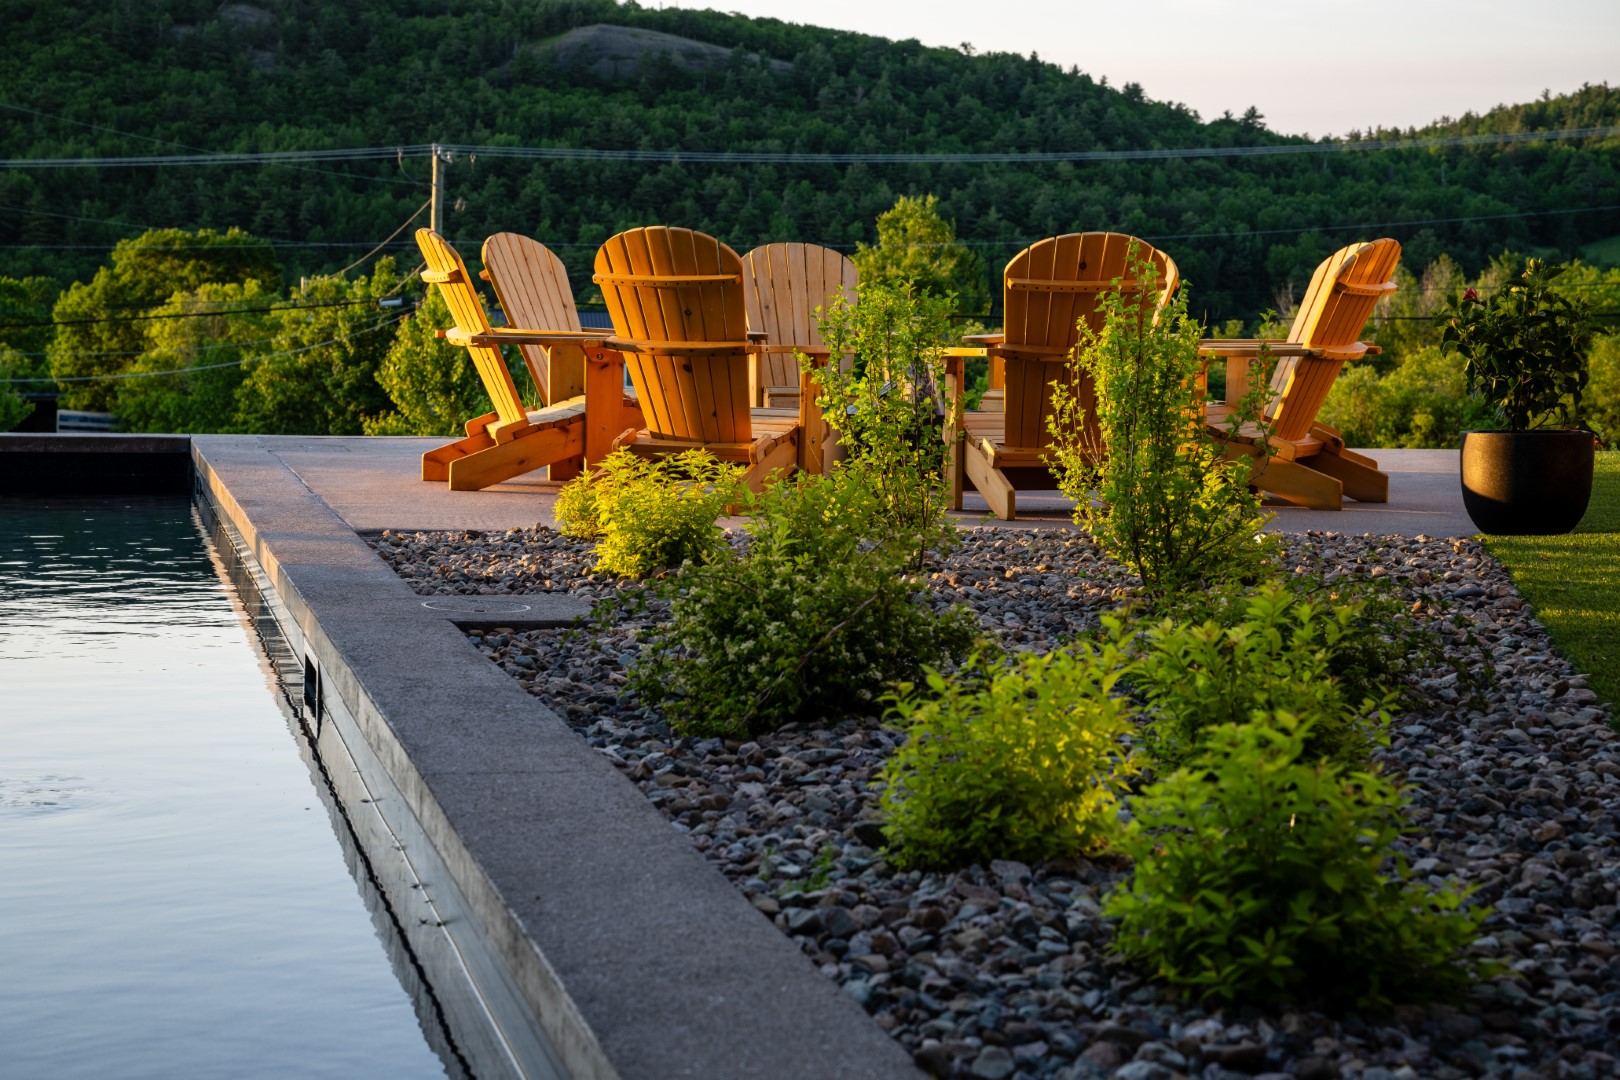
<point x="991" y="482"/>
<point x="605" y="418"/>
<point x="494" y="464"/>
<point x="436" y="462"/>
<point x="565" y="470"/>
<point x="1359" y="474"/>
<point x="783" y="456"/>
<point x="1295" y="483"/>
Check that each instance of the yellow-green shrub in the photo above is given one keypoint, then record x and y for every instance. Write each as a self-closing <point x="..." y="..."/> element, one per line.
<point x="1023" y="762"/>
<point x="650" y="515"/>
<point x="815" y="618"/>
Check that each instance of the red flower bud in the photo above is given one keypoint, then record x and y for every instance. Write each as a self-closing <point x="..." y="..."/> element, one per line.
<point x="1470" y="294"/>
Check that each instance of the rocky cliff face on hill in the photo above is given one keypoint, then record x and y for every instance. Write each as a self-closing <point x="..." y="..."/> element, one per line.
<point x="619" y="52"/>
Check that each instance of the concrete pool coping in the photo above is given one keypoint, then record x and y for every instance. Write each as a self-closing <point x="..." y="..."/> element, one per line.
<point x="637" y="958"/>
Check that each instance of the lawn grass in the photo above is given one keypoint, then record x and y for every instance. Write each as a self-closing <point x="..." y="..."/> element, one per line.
<point x="1573" y="582"/>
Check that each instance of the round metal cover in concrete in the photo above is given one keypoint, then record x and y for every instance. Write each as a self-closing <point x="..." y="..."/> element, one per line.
<point x="474" y="605"/>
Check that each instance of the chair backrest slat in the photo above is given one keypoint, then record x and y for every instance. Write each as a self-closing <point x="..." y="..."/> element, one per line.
<point x="785" y="285"/>
<point x="687" y="287"/>
<point x="467" y="311"/>
<point x="531" y="284"/>
<point x="1335" y="309"/>
<point x="1048" y="288"/>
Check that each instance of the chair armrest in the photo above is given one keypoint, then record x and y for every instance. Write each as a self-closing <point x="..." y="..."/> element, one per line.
<point x="503" y="335"/>
<point x="984" y="339"/>
<point x="1249" y="347"/>
<point x="682" y="348"/>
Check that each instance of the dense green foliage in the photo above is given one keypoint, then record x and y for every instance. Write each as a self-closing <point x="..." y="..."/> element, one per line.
<point x="1025" y="762"/>
<point x="96" y="333"/>
<point x="886" y="405"/>
<point x="433" y="386"/>
<point x="917" y="248"/>
<point x="1154" y="494"/>
<point x="815" y="618"/>
<point x="292" y="74"/>
<point x="650" y="515"/>
<point x="1264" y="876"/>
<point x="1415" y="395"/>
<point x="1278" y="656"/>
<point x="1524" y="346"/>
<point x="300" y="74"/>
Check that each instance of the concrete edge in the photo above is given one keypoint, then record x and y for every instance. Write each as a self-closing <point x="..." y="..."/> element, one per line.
<point x="554" y="1010"/>
<point x="756" y="1006"/>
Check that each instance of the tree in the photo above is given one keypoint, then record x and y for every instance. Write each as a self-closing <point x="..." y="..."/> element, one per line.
<point x="434" y="386"/>
<point x="224" y="326"/>
<point x="319" y="376"/>
<point x="917" y="246"/>
<point x="25" y="323"/>
<point x="13" y="409"/>
<point x="103" y="325"/>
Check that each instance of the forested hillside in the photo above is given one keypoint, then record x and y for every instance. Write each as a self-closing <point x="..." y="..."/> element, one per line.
<point x="284" y="74"/>
<point x="181" y="77"/>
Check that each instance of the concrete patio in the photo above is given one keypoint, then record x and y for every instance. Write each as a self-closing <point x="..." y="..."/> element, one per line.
<point x="373" y="484"/>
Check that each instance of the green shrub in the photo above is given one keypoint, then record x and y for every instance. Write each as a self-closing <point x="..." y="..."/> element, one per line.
<point x="1384" y="647"/>
<point x="1262" y="878"/>
<point x="1603" y="392"/>
<point x="887" y="406"/>
<point x="812" y="620"/>
<point x="1422" y="401"/>
<point x="650" y="515"/>
<point x="1026" y="765"/>
<point x="1277" y="654"/>
<point x="1163" y="499"/>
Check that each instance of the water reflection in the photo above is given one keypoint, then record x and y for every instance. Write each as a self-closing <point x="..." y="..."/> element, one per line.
<point x="174" y="900"/>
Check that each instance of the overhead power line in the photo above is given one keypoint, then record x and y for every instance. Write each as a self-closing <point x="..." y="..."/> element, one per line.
<point x="166" y="142"/>
<point x="185" y="314"/>
<point x="769" y="157"/>
<point x="208" y="367"/>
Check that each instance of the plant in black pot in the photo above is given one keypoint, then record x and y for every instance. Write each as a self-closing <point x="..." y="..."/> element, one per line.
<point x="1524" y="348"/>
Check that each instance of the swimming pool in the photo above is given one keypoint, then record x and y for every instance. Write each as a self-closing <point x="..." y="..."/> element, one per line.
<point x="179" y="892"/>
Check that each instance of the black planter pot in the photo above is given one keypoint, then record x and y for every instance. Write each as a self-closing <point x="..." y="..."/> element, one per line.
<point x="1526" y="483"/>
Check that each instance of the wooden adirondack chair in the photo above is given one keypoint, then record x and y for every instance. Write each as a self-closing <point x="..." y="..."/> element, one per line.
<point x="1309" y="464"/>
<point x="680" y="318"/>
<point x="1048" y="288"/>
<point x="531" y="284"/>
<point x="784" y="285"/>
<point x="532" y="287"/>
<point x="511" y="440"/>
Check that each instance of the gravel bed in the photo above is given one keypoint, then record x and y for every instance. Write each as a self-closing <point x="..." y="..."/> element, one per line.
<point x="1004" y="970"/>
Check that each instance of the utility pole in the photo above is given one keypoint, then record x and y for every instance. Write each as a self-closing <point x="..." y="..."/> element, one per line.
<point x="436" y="212"/>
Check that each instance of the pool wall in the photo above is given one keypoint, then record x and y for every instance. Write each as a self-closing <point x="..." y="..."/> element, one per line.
<point x="607" y="931"/>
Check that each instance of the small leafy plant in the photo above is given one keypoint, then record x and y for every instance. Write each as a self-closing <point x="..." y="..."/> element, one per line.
<point x="813" y="619"/>
<point x="1524" y="347"/>
<point x="1275" y="654"/>
<point x="650" y="515"/>
<point x="1023" y="762"/>
<point x="1386" y="647"/>
<point x="887" y="405"/>
<point x="1262" y="877"/>
<point x="1158" y="493"/>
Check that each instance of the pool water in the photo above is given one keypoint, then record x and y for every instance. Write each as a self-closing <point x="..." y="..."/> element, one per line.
<point x="174" y="896"/>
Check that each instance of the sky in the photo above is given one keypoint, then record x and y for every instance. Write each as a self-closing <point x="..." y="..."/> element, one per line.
<point x="1311" y="68"/>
